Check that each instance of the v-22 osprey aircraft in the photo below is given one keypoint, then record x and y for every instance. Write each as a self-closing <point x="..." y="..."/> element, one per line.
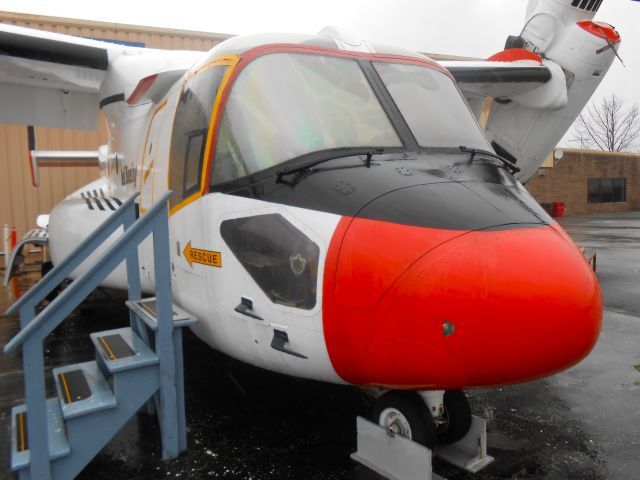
<point x="344" y="193"/>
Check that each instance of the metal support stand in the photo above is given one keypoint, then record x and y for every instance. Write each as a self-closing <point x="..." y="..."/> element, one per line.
<point x="393" y="457"/>
<point x="469" y="453"/>
<point x="398" y="458"/>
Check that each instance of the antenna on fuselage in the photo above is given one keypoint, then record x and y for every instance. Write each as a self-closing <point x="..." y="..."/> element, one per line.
<point x="345" y="40"/>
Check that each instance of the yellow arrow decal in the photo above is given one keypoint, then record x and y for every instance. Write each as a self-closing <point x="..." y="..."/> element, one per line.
<point x="203" y="257"/>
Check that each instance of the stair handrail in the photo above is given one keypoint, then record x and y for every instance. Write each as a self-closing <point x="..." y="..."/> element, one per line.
<point x="34" y="328"/>
<point x="57" y="311"/>
<point x="72" y="261"/>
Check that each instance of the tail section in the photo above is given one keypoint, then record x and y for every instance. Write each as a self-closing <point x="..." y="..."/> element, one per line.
<point x="580" y="52"/>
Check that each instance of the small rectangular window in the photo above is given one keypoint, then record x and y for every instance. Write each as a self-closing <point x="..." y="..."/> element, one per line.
<point x="607" y="190"/>
<point x="594" y="190"/>
<point x="195" y="152"/>
<point x="619" y="189"/>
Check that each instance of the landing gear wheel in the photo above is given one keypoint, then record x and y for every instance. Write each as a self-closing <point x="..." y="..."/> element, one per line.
<point x="457" y="416"/>
<point x="404" y="413"/>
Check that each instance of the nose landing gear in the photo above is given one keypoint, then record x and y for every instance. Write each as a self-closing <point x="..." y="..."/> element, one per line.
<point x="455" y="420"/>
<point x="410" y="428"/>
<point x="404" y="413"/>
<point x="428" y="418"/>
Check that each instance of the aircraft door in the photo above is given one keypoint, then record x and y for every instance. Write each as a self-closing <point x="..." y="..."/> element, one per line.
<point x="189" y="141"/>
<point x="190" y="134"/>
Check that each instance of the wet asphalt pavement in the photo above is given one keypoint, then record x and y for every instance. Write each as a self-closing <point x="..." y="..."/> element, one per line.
<point x="246" y="423"/>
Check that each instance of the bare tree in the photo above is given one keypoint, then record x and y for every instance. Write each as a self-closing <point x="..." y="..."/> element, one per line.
<point x="608" y="126"/>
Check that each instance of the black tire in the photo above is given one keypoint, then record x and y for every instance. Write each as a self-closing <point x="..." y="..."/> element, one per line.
<point x="458" y="417"/>
<point x="413" y="409"/>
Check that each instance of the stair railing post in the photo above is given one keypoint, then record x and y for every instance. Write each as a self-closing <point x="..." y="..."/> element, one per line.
<point x="135" y="290"/>
<point x="179" y="364"/>
<point x="133" y="275"/>
<point x="27" y="313"/>
<point x="35" y="400"/>
<point x="164" y="348"/>
<point x="37" y="424"/>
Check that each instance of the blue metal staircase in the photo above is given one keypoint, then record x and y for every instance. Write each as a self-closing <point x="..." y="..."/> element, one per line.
<point x="135" y="366"/>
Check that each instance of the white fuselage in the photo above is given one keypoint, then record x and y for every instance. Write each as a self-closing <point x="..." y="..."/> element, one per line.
<point x="209" y="293"/>
<point x="141" y="158"/>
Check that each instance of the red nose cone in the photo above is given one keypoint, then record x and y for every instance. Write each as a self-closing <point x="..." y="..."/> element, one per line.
<point x="483" y="308"/>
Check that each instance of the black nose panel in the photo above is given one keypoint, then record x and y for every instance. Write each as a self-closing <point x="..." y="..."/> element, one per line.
<point x="457" y="206"/>
<point x="426" y="190"/>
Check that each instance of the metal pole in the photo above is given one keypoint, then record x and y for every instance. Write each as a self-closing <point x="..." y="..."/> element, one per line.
<point x="182" y="421"/>
<point x="7" y="251"/>
<point x="133" y="276"/>
<point x="35" y="399"/>
<point x="164" y="348"/>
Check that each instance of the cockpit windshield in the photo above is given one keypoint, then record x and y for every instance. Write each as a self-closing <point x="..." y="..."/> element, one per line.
<point x="284" y="105"/>
<point x="432" y="106"/>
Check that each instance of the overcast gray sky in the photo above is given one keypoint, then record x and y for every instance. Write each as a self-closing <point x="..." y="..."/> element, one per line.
<point x="475" y="28"/>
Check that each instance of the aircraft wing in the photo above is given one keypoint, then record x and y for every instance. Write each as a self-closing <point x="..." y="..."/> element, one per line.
<point x="498" y="79"/>
<point x="55" y="80"/>
<point x="51" y="80"/>
<point x="513" y="75"/>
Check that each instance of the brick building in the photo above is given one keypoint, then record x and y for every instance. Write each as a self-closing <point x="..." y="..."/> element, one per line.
<point x="589" y="182"/>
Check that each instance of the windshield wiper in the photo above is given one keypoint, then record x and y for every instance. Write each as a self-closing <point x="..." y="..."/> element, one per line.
<point x="331" y="155"/>
<point x="477" y="151"/>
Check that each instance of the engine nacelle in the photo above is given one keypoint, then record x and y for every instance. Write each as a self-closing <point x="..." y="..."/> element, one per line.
<point x="563" y="33"/>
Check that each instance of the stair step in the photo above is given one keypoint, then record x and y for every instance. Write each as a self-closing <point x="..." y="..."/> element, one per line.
<point x="82" y="389"/>
<point x="146" y="309"/>
<point x="115" y="346"/>
<point x="75" y="386"/>
<point x="122" y="349"/>
<point x="58" y="444"/>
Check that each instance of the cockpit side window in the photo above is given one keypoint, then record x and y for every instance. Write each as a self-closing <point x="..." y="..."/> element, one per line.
<point x="190" y="130"/>
<point x="285" y="105"/>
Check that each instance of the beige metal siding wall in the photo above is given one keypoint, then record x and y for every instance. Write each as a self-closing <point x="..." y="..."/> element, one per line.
<point x="20" y="201"/>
